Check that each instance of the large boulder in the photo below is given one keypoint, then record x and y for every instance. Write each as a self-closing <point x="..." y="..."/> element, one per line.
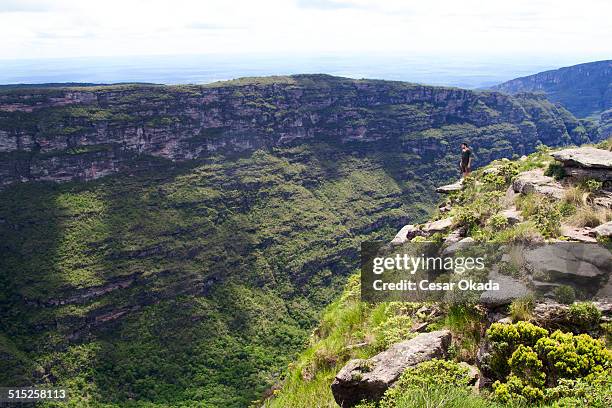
<point x="405" y="234"/>
<point x="509" y="289"/>
<point x="451" y="188"/>
<point x="603" y="230"/>
<point x="582" y="265"/>
<point x="442" y="225"/>
<point x="586" y="163"/>
<point x="369" y="379"/>
<point x="585" y="157"/>
<point x="534" y="181"/>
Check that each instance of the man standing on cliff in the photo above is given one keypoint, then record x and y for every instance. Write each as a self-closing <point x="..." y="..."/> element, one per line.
<point x="466" y="160"/>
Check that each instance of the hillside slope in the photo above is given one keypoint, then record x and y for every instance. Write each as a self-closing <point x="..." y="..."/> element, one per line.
<point x="228" y="217"/>
<point x="584" y="89"/>
<point x="487" y="211"/>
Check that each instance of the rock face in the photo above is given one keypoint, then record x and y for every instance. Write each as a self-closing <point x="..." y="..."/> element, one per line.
<point x="534" y="181"/>
<point x="586" y="163"/>
<point x="584" y="88"/>
<point x="586" y="157"/>
<point x="62" y="134"/>
<point x="583" y="266"/>
<point x="369" y="379"/>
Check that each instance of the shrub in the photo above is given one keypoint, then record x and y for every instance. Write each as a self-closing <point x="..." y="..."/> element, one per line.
<point x="555" y="170"/>
<point x="433" y="373"/>
<point x="584" y="315"/>
<point x="565" y="294"/>
<point x="532" y="360"/>
<point x="543" y="212"/>
<point x="504" y="338"/>
<point x="498" y="222"/>
<point x="508" y="170"/>
<point x="593" y="185"/>
<point x="493" y="181"/>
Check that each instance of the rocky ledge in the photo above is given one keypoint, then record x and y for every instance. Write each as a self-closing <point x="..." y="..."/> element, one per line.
<point x="586" y="163"/>
<point x="369" y="379"/>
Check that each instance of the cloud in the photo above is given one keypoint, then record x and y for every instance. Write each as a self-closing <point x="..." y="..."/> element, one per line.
<point x="327" y="4"/>
<point x="211" y="26"/>
<point x="27" y="6"/>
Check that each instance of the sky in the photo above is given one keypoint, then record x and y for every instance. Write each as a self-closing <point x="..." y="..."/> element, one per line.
<point x="39" y="29"/>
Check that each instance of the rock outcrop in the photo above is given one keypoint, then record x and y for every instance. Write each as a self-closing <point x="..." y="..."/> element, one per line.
<point x="583" y="266"/>
<point x="369" y="379"/>
<point x="586" y="157"/>
<point x="407" y="232"/>
<point x="451" y="188"/>
<point x="534" y="181"/>
<point x="586" y="163"/>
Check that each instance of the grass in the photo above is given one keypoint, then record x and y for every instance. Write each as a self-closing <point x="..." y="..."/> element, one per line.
<point x="587" y="216"/>
<point x="521" y="309"/>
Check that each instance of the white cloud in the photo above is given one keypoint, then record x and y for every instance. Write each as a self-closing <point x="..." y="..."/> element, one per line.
<point x="76" y="28"/>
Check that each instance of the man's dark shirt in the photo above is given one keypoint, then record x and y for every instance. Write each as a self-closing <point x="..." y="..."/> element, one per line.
<point x="465" y="157"/>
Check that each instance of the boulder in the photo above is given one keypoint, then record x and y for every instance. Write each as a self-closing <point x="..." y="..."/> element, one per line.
<point x="509" y="289"/>
<point x="458" y="246"/>
<point x="455" y="236"/>
<point x="369" y="379"/>
<point x="512" y="215"/>
<point x="604" y="230"/>
<point x="443" y="225"/>
<point x="450" y="188"/>
<point x="586" y="266"/>
<point x="585" y="157"/>
<point x="534" y="181"/>
<point x="406" y="233"/>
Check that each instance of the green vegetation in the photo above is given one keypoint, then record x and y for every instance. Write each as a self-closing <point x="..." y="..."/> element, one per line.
<point x="534" y="364"/>
<point x="186" y="284"/>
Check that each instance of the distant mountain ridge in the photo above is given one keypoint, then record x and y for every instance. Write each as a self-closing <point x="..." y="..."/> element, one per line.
<point x="584" y="89"/>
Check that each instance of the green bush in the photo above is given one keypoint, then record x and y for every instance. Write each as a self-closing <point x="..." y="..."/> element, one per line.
<point x="592" y="185"/>
<point x="584" y="315"/>
<point x="427" y="374"/>
<point x="505" y="338"/>
<point x="565" y="294"/>
<point x="547" y="218"/>
<point x="535" y="362"/>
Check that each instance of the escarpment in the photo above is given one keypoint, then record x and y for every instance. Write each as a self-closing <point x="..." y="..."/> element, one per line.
<point x="62" y="134"/>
